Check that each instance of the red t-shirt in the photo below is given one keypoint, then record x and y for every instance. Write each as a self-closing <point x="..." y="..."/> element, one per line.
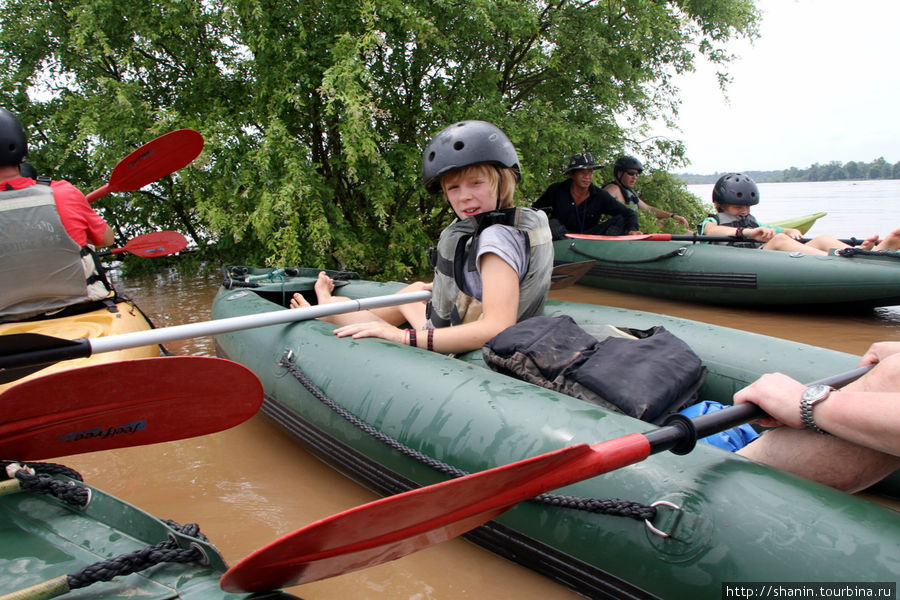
<point x="82" y="223"/>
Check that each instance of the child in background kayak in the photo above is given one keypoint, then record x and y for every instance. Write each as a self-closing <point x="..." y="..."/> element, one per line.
<point x="735" y="193"/>
<point x="492" y="264"/>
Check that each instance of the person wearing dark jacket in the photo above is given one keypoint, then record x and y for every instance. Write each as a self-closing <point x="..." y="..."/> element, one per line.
<point x="579" y="206"/>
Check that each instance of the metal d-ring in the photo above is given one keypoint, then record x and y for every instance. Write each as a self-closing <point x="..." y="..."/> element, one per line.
<point x="650" y="526"/>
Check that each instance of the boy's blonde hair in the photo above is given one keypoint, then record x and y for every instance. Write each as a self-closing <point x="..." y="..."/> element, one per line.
<point x="505" y="176"/>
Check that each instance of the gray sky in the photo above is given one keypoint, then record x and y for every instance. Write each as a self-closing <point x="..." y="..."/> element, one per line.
<point x="822" y="83"/>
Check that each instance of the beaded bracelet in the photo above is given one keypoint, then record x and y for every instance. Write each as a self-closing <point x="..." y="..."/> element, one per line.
<point x="431" y="339"/>
<point x="412" y="338"/>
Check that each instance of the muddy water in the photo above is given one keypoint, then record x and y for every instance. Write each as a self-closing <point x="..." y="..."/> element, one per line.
<point x="251" y="484"/>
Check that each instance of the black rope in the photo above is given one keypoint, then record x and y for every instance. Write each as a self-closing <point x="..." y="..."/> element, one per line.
<point x="125" y="564"/>
<point x="672" y="254"/>
<point x="608" y="506"/>
<point x="43" y="482"/>
<point x="849" y="252"/>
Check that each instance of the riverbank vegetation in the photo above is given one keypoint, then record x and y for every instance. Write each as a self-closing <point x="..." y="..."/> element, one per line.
<point x="833" y="171"/>
<point x="315" y="113"/>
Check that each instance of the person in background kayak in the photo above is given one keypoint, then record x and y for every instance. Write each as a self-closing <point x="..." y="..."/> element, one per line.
<point x="577" y="205"/>
<point x="735" y="193"/>
<point x="625" y="174"/>
<point x="492" y="263"/>
<point x="45" y="229"/>
<point x="862" y="421"/>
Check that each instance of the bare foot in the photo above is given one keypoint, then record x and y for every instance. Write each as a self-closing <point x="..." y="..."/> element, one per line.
<point x="869" y="242"/>
<point x="298" y="301"/>
<point x="890" y="242"/>
<point x="324" y="286"/>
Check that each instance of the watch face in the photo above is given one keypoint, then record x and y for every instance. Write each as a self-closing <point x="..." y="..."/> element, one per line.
<point x="816" y="393"/>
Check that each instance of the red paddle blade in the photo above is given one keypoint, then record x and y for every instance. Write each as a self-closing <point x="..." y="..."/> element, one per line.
<point x="155" y="159"/>
<point x="398" y="525"/>
<point x="157" y="243"/>
<point x="127" y="403"/>
<point x="655" y="237"/>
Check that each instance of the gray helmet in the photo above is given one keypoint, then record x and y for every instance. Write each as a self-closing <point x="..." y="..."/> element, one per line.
<point x="585" y="160"/>
<point x="735" y="188"/>
<point x="463" y="144"/>
<point x="13" y="143"/>
<point x="627" y="162"/>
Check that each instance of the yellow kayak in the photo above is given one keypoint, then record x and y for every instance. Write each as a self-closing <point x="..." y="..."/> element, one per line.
<point x="112" y="317"/>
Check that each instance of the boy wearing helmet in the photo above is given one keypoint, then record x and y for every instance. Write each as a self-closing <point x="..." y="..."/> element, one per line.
<point x="735" y="193"/>
<point x="45" y="229"/>
<point x="578" y="205"/>
<point x="492" y="263"/>
<point x="625" y="174"/>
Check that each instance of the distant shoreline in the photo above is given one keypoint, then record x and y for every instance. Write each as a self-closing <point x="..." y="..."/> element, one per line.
<point x="833" y="171"/>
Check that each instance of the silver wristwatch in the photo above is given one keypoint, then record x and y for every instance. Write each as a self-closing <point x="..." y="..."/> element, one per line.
<point x="812" y="396"/>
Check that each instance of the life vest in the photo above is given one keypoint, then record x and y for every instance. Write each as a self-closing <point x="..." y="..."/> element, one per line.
<point x="747" y="222"/>
<point x="646" y="374"/>
<point x="631" y="198"/>
<point x="450" y="303"/>
<point x="43" y="269"/>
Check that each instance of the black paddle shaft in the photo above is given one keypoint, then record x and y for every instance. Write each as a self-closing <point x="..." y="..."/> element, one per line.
<point x="24" y="353"/>
<point x="680" y="433"/>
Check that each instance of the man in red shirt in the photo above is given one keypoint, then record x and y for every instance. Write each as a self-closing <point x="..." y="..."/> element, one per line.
<point x="45" y="229"/>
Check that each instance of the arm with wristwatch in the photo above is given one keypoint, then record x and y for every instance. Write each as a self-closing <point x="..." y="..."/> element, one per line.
<point x="854" y="428"/>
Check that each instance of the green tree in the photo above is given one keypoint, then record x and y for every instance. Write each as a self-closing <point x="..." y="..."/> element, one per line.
<point x="315" y="112"/>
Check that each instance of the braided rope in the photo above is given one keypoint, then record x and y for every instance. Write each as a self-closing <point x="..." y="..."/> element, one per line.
<point x="608" y="506"/>
<point x="125" y="564"/>
<point x="849" y="252"/>
<point x="41" y="481"/>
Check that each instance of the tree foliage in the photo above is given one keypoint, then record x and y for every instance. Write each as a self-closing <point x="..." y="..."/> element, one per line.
<point x="315" y="111"/>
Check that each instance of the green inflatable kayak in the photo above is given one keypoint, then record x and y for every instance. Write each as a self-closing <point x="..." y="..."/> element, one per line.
<point x="715" y="274"/>
<point x="59" y="534"/>
<point x="395" y="417"/>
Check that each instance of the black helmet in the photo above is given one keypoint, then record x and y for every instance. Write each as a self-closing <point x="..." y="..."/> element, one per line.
<point x="627" y="162"/>
<point x="735" y="188"/>
<point x="463" y="144"/>
<point x="13" y="144"/>
<point x="585" y="160"/>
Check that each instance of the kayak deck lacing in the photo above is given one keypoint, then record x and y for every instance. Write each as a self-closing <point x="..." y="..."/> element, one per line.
<point x="607" y="506"/>
<point x="132" y="562"/>
<point x="848" y="252"/>
<point x="667" y="255"/>
<point x="36" y="478"/>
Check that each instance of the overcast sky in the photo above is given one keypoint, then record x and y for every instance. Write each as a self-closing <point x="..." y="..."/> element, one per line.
<point x="821" y="83"/>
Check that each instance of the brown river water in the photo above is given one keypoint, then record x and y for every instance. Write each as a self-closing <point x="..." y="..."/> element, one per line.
<point x="251" y="484"/>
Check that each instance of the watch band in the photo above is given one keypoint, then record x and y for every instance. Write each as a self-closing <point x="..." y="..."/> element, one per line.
<point x="808" y="401"/>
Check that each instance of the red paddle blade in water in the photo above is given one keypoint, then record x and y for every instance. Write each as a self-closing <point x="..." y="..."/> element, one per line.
<point x="127" y="403"/>
<point x="398" y="525"/>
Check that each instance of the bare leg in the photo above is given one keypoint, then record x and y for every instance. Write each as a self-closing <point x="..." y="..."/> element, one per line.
<point x="822" y="458"/>
<point x="788" y="244"/>
<point x="413" y="313"/>
<point x="825" y="458"/>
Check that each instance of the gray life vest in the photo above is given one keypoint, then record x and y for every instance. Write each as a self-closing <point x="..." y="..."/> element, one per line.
<point x="450" y="304"/>
<point x="631" y="197"/>
<point x="747" y="221"/>
<point x="43" y="268"/>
